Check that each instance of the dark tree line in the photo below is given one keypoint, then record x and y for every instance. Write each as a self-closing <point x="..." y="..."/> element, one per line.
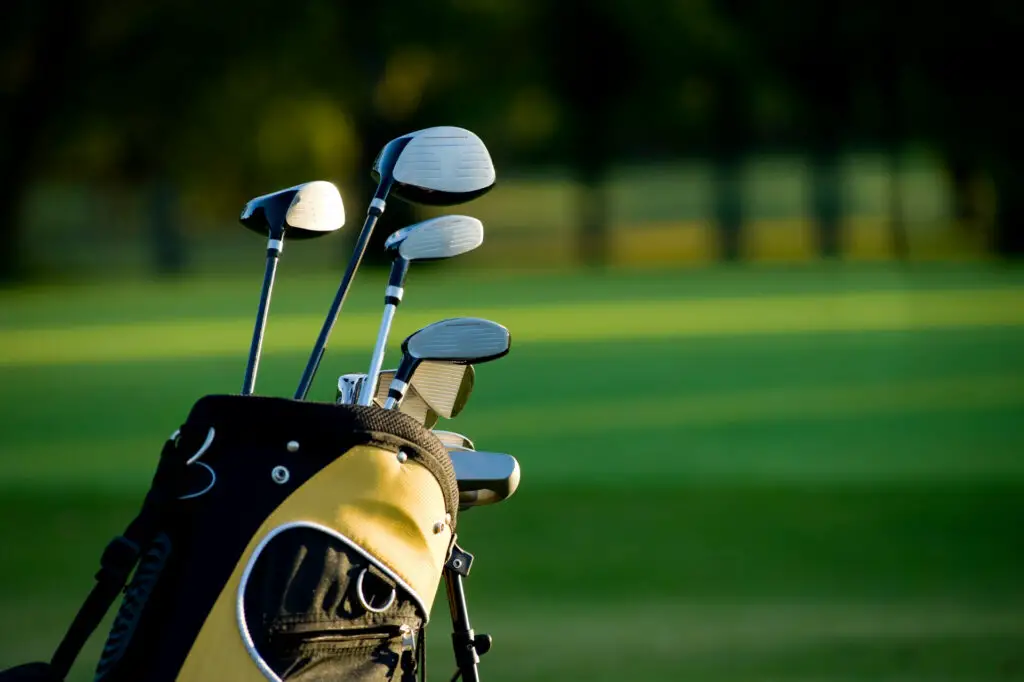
<point x="159" y="93"/>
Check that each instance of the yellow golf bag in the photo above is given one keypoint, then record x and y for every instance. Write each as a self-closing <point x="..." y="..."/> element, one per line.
<point x="280" y="540"/>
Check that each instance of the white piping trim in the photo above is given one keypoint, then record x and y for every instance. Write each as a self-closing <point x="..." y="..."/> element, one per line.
<point x="213" y="480"/>
<point x="177" y="432"/>
<point x="204" y="448"/>
<point x="243" y="628"/>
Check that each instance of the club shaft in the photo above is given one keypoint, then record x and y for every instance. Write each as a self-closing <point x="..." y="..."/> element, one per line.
<point x="377" y="359"/>
<point x="339" y="299"/>
<point x="252" y="366"/>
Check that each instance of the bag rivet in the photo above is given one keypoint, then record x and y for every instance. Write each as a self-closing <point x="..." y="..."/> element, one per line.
<point x="402" y="457"/>
<point x="293" y="446"/>
<point x="280" y="474"/>
<point x="438" y="527"/>
<point x="447" y="519"/>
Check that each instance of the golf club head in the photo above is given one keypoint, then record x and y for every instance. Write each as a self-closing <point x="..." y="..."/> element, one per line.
<point x="348" y="388"/>
<point x="484" y="477"/>
<point x="444" y="386"/>
<point x="454" y="441"/>
<point x="309" y="210"/>
<point x="439" y="166"/>
<point x="459" y="340"/>
<point x="443" y="237"/>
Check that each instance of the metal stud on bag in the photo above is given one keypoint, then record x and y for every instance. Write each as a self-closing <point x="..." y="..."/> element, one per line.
<point x="280" y="474"/>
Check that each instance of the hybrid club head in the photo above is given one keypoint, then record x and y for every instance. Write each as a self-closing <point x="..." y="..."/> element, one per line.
<point x="309" y="210"/>
<point x="484" y="477"/>
<point x="444" y="386"/>
<point x="439" y="166"/>
<point x="442" y="237"/>
<point x="454" y="441"/>
<point x="460" y="340"/>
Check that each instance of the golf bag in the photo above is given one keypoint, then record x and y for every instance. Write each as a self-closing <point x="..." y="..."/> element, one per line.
<point x="280" y="540"/>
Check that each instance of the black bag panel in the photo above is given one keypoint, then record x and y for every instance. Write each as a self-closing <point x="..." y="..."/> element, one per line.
<point x="317" y="608"/>
<point x="323" y="427"/>
<point x="222" y="497"/>
<point x="30" y="672"/>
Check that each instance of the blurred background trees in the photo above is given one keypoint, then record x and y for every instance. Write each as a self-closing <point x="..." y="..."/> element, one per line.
<point x="177" y="111"/>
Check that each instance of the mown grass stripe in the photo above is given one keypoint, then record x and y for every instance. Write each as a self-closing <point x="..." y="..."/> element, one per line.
<point x="554" y="323"/>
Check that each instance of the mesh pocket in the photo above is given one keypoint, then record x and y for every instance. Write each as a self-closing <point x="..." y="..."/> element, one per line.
<point x="316" y="607"/>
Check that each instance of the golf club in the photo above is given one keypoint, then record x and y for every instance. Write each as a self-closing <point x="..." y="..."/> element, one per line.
<point x="312" y="209"/>
<point x="439" y="166"/>
<point x="484" y="477"/>
<point x="434" y="239"/>
<point x="460" y="340"/>
<point x="454" y="441"/>
<point x="443" y="385"/>
<point x="414" y="405"/>
<point x="348" y="388"/>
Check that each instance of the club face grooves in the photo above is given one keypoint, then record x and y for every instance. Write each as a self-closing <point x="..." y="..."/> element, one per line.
<point x="461" y="340"/>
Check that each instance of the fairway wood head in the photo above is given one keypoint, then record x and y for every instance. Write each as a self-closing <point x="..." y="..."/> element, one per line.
<point x="454" y="441"/>
<point x="443" y="237"/>
<point x="439" y="166"/>
<point x="309" y="210"/>
<point x="444" y="386"/>
<point x="484" y="477"/>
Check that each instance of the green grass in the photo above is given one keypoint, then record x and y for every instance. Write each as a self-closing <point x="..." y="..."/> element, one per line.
<point x="700" y="501"/>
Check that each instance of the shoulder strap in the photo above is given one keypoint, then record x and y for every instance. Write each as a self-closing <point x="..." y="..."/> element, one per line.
<point x="118" y="560"/>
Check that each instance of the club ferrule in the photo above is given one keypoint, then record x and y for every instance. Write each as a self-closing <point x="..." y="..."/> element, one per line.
<point x="377" y="206"/>
<point x="393" y="295"/>
<point x="276" y="245"/>
<point x="397" y="390"/>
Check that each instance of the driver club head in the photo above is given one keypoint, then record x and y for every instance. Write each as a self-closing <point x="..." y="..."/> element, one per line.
<point x="484" y="477"/>
<point x="304" y="211"/>
<point x="442" y="237"/>
<point x="439" y="166"/>
<point x="444" y="386"/>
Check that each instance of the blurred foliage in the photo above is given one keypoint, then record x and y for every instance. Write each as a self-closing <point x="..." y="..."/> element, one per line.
<point x="226" y="100"/>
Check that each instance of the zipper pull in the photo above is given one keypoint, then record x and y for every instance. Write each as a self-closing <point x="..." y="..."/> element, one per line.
<point x="408" y="638"/>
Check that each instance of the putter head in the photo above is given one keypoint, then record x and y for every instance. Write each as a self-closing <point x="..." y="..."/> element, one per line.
<point x="439" y="166"/>
<point x="484" y="477"/>
<point x="309" y="210"/>
<point x="454" y="441"/>
<point x="444" y="386"/>
<point x="443" y="237"/>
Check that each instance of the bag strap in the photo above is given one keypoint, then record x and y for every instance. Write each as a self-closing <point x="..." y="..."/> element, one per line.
<point x="118" y="560"/>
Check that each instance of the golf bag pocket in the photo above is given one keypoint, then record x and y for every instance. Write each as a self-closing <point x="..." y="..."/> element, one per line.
<point x="321" y="608"/>
<point x="303" y="541"/>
